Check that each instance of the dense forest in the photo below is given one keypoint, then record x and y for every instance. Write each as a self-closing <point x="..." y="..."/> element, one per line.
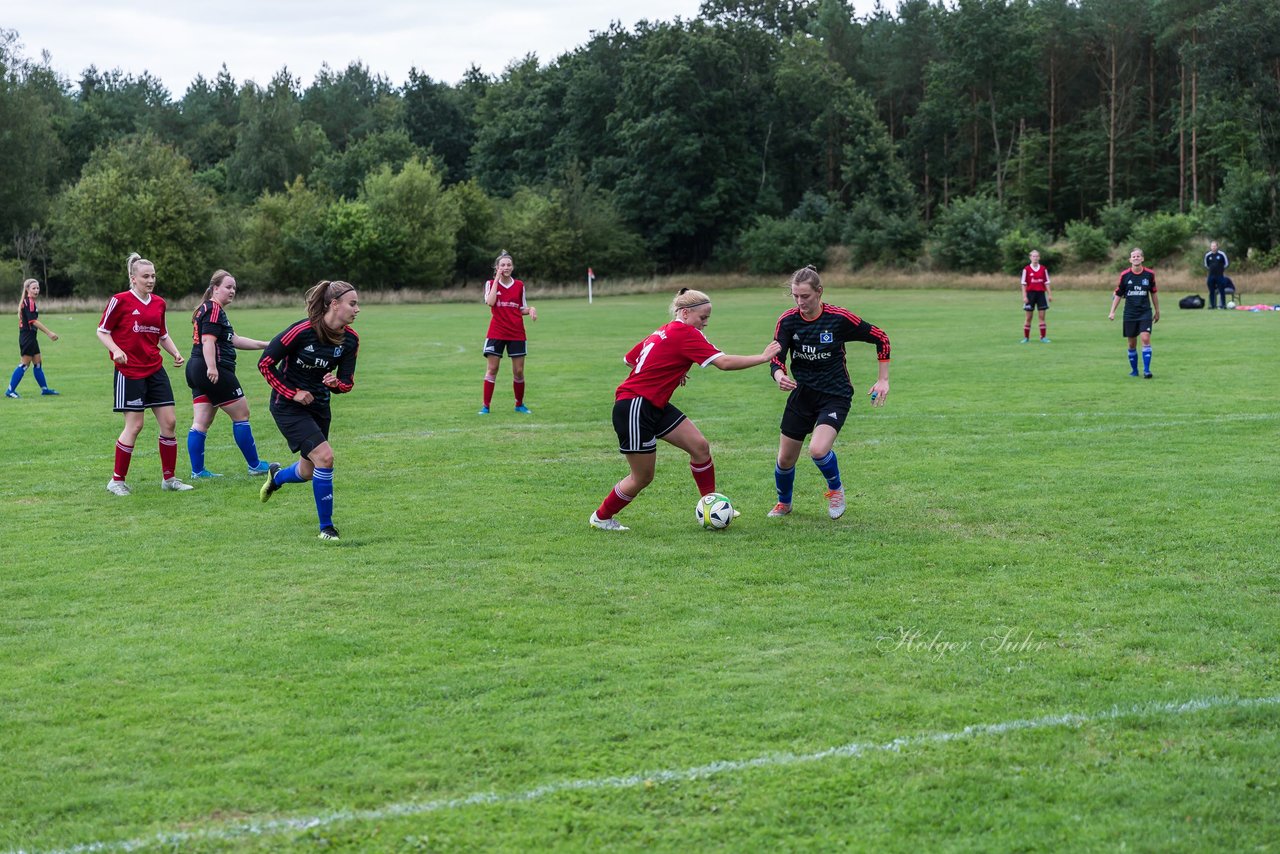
<point x="754" y="137"/>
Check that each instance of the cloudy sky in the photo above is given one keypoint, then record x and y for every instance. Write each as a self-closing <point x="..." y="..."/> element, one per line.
<point x="179" y="39"/>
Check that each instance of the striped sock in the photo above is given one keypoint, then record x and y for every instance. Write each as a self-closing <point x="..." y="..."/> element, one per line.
<point x="830" y="469"/>
<point x="784" y="480"/>
<point x="322" y="489"/>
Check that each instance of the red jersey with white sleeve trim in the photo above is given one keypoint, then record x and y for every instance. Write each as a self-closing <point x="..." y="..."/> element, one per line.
<point x="507" y="323"/>
<point x="137" y="328"/>
<point x="661" y="361"/>
<point x="1035" y="278"/>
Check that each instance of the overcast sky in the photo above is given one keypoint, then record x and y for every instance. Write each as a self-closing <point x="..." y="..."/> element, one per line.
<point x="179" y="39"/>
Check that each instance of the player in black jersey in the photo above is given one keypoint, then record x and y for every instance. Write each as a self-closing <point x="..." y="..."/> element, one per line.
<point x="28" y="346"/>
<point x="821" y="395"/>
<point x="1141" y="310"/>
<point x="211" y="376"/>
<point x="304" y="364"/>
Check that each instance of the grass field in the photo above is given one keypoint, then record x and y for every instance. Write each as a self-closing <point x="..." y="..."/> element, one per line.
<point x="1050" y="619"/>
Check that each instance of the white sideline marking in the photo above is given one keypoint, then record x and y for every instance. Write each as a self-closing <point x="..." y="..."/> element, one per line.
<point x="269" y="827"/>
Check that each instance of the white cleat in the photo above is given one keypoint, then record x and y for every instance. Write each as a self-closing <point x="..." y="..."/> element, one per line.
<point x="779" y="509"/>
<point x="835" y="503"/>
<point x="118" y="487"/>
<point x="607" y="524"/>
<point x="172" y="484"/>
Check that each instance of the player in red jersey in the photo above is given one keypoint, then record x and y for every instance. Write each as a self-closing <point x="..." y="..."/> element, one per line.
<point x="1036" y="294"/>
<point x="28" y="345"/>
<point x="133" y="331"/>
<point x="508" y="305"/>
<point x="643" y="414"/>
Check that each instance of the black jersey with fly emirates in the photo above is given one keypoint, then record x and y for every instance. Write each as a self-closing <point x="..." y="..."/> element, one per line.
<point x="816" y="347"/>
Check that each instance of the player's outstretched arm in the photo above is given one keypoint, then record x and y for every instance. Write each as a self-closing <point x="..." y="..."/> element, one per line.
<point x="729" y="362"/>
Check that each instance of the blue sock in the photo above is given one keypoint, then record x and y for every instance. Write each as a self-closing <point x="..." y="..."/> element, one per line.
<point x="830" y="469"/>
<point x="1133" y="360"/>
<point x="18" y="373"/>
<point x="195" y="449"/>
<point x="1146" y="359"/>
<point x="288" y="475"/>
<point x="785" y="480"/>
<point x="322" y="488"/>
<point x="243" y="434"/>
<point x="39" y="371"/>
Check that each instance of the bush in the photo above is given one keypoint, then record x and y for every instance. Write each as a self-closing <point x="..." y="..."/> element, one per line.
<point x="1117" y="221"/>
<point x="824" y="212"/>
<point x="878" y="236"/>
<point x="1088" y="242"/>
<point x="1244" y="212"/>
<point x="1161" y="235"/>
<point x="967" y="234"/>
<point x="284" y="239"/>
<point x="773" y="245"/>
<point x="1016" y="246"/>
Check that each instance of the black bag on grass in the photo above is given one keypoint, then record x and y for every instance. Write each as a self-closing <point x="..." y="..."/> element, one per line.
<point x="1193" y="301"/>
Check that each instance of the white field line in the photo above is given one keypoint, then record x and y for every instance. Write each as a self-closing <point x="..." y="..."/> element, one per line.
<point x="270" y="827"/>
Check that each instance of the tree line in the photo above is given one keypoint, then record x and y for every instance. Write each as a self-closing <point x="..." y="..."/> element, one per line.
<point x="755" y="136"/>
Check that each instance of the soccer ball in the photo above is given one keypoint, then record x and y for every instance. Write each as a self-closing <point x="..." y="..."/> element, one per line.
<point x="1231" y="304"/>
<point x="714" y="511"/>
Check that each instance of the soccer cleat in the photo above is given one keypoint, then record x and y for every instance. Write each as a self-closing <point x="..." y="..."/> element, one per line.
<point x="270" y="486"/>
<point x="835" y="503"/>
<point x="737" y="513"/>
<point x="1133" y="373"/>
<point x="1024" y="340"/>
<point x="203" y="473"/>
<point x="484" y="410"/>
<point x="11" y="393"/>
<point x="261" y="468"/>
<point x="1045" y="341"/>
<point x="49" y="392"/>
<point x="172" y="484"/>
<point x="329" y="534"/>
<point x="779" y="509"/>
<point x="118" y="487"/>
<point x="607" y="524"/>
<point x="1148" y="375"/>
<point x="524" y="410"/>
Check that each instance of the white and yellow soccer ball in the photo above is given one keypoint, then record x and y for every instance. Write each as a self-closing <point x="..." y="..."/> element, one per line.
<point x="714" y="511"/>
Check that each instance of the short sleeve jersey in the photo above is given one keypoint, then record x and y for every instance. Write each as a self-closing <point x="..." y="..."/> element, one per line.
<point x="1035" y="278"/>
<point x="662" y="360"/>
<point x="211" y="319"/>
<point x="27" y="314"/>
<point x="297" y="360"/>
<point x="507" y="321"/>
<point x="137" y="328"/>
<point x="1137" y="288"/>
<point x="817" y="347"/>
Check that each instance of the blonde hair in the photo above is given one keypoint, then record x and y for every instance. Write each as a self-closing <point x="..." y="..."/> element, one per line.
<point x="25" y="286"/>
<point x="214" y="281"/>
<point x="496" y="261"/>
<point x="688" y="298"/>
<point x="135" y="260"/>
<point x="318" y="299"/>
<point x="806" y="276"/>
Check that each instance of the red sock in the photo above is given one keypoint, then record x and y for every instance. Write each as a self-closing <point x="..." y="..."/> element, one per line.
<point x="1026" y="331"/>
<point x="168" y="455"/>
<point x="613" y="503"/>
<point x="518" y="388"/>
<point x="704" y="474"/>
<point x="1042" y="330"/>
<point x="488" y="390"/>
<point x="124" y="455"/>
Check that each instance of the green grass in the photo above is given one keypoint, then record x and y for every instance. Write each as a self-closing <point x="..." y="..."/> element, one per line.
<point x="199" y="664"/>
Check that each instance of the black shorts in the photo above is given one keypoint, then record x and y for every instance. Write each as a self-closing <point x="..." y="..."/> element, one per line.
<point x="28" y="343"/>
<point x="807" y="408"/>
<point x="1036" y="299"/>
<point x="302" y="427"/>
<point x="515" y="349"/>
<point x="146" y="393"/>
<point x="639" y="424"/>
<point x="226" y="390"/>
<point x="1134" y="328"/>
